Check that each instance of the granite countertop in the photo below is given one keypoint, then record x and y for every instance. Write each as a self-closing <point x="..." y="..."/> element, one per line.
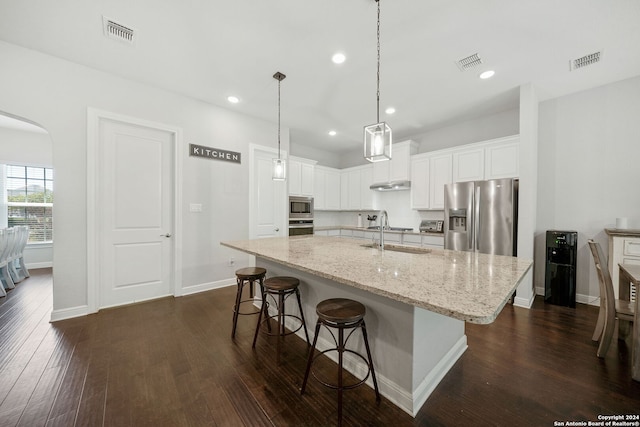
<point x="622" y="232"/>
<point x="350" y="227"/>
<point x="467" y="286"/>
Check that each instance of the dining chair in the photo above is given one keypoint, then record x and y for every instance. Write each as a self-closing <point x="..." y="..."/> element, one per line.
<point x="610" y="308"/>
<point x="5" y="277"/>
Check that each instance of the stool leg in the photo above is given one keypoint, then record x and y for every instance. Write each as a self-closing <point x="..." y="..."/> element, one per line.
<point x="264" y="301"/>
<point x="280" y="325"/>
<point x="373" y="372"/>
<point x="262" y="309"/>
<point x="236" y="309"/>
<point x="304" y="323"/>
<point x="340" y="355"/>
<point x="251" y="286"/>
<point x="310" y="358"/>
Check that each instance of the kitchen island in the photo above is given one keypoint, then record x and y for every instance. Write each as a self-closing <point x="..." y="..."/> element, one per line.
<point x="417" y="301"/>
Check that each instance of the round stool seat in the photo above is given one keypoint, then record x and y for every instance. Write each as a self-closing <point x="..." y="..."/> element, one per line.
<point x="250" y="272"/>
<point x="281" y="283"/>
<point x="340" y="310"/>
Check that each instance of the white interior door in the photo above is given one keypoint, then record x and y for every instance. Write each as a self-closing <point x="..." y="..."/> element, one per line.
<point x="268" y="201"/>
<point x="135" y="200"/>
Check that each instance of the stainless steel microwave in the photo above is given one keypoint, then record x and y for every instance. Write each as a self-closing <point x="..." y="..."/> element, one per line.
<point x="300" y="207"/>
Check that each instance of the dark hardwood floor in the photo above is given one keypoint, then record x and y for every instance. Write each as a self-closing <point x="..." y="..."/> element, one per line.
<point x="171" y="362"/>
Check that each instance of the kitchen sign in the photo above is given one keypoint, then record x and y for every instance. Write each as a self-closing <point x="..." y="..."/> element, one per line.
<point x="214" y="153"/>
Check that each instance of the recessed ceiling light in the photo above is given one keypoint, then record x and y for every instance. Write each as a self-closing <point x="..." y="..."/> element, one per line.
<point x="233" y="99"/>
<point x="338" y="58"/>
<point x="332" y="132"/>
<point x="487" y="74"/>
<point x="390" y="110"/>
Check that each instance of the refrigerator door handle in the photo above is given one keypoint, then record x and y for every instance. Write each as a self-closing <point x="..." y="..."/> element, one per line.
<point x="476" y="220"/>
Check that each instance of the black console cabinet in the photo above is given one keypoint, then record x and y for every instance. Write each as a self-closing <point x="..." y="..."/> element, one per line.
<point x="560" y="272"/>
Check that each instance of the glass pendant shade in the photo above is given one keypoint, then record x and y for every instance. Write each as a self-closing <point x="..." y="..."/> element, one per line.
<point x="279" y="170"/>
<point x="377" y="142"/>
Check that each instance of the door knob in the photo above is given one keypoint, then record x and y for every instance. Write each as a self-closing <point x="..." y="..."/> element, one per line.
<point x="277" y="229"/>
<point x="166" y="235"/>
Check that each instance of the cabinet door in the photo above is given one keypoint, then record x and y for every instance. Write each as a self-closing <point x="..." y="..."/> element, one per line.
<point x="306" y="179"/>
<point x="344" y="190"/>
<point x="420" y="183"/>
<point x="468" y="165"/>
<point x="319" y="189"/>
<point x="355" y="189"/>
<point x="502" y="160"/>
<point x="295" y="178"/>
<point x="332" y="190"/>
<point x="439" y="175"/>
<point x="366" y="194"/>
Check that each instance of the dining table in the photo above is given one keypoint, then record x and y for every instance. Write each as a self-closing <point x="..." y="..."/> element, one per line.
<point x="630" y="275"/>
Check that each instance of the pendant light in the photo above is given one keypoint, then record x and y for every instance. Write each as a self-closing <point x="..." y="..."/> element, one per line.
<point x="279" y="165"/>
<point x="377" y="137"/>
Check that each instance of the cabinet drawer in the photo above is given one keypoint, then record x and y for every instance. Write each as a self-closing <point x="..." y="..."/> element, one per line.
<point x="412" y="239"/>
<point x="631" y="247"/>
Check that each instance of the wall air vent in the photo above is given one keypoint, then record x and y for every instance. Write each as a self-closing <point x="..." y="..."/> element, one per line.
<point x="592" y="58"/>
<point x="116" y="31"/>
<point x="470" y="61"/>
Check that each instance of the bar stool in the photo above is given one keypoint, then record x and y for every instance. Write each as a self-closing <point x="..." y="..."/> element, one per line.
<point x="341" y="314"/>
<point x="248" y="275"/>
<point x="280" y="288"/>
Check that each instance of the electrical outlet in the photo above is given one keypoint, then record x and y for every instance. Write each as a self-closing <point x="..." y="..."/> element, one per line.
<point x="231" y="262"/>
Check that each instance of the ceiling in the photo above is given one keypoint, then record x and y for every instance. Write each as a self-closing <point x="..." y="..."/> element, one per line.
<point x="210" y="49"/>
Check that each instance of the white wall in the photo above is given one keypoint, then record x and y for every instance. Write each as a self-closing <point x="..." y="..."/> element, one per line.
<point x="588" y="174"/>
<point x="56" y="94"/>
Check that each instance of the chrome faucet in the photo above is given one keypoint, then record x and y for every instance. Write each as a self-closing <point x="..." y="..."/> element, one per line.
<point x="383" y="226"/>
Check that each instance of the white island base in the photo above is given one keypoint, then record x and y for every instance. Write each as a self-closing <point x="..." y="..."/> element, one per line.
<point x="412" y="348"/>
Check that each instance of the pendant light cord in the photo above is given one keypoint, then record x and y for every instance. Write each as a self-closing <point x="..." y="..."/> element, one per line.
<point x="279" y="81"/>
<point x="378" y="73"/>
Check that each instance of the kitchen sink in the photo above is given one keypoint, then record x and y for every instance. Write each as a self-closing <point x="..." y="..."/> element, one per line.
<point x="399" y="248"/>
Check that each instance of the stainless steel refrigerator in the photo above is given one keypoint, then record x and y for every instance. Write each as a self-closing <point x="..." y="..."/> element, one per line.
<point x="482" y="216"/>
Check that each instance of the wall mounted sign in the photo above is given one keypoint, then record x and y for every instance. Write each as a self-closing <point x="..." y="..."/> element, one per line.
<point x="214" y="153"/>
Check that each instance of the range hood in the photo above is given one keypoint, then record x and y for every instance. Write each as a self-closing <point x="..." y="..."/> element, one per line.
<point x="391" y="186"/>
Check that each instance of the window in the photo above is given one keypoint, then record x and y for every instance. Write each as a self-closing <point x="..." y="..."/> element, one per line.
<point x="30" y="200"/>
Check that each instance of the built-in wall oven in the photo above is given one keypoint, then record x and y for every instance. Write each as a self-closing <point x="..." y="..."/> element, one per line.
<point x="300" y="215"/>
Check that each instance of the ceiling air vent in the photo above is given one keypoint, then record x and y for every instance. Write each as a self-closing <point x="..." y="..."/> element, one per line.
<point x="592" y="58"/>
<point x="469" y="62"/>
<point x="116" y="31"/>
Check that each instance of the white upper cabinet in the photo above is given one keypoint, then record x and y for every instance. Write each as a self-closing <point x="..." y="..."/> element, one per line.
<point x="301" y="176"/>
<point x="502" y="158"/>
<point x="439" y="174"/>
<point x="420" y="182"/>
<point x="326" y="188"/>
<point x="399" y="167"/>
<point x="468" y="165"/>
<point x="355" y="193"/>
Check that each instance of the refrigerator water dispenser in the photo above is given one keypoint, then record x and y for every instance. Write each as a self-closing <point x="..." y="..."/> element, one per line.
<point x="458" y="219"/>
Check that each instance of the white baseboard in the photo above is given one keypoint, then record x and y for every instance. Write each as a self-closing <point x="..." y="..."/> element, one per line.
<point x="580" y="298"/>
<point x="68" y="313"/>
<point x="36" y="265"/>
<point x="524" y="302"/>
<point x="431" y="381"/>
<point x="189" y="290"/>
